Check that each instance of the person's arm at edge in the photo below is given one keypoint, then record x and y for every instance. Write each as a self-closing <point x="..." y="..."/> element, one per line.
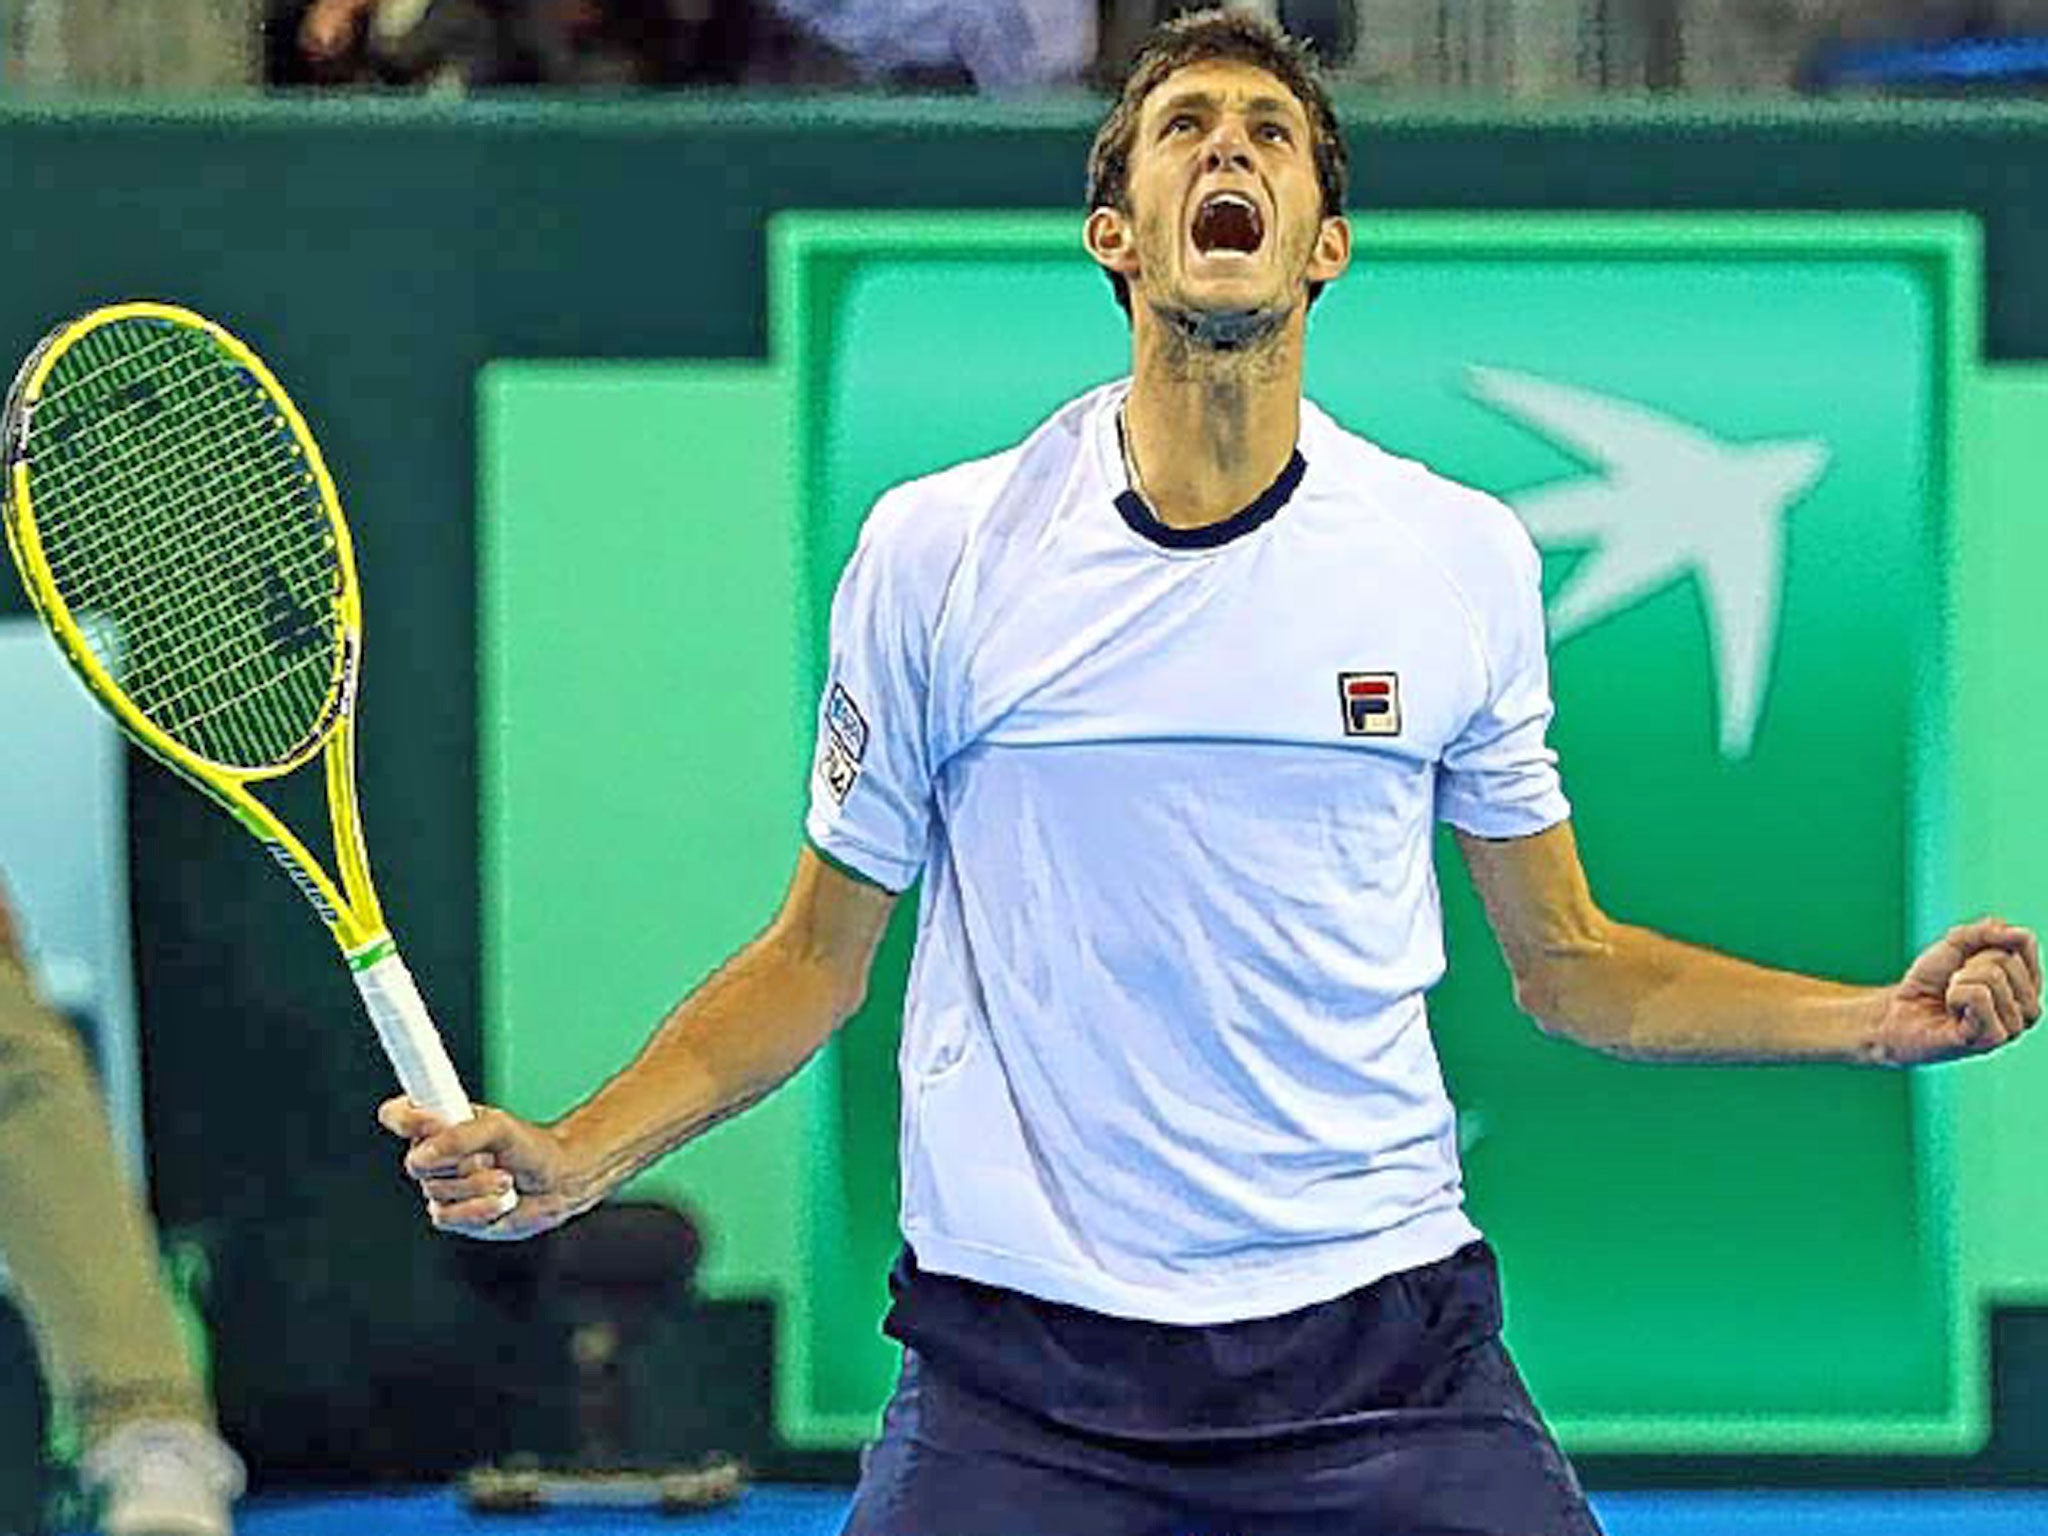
<point x="730" y="1043"/>
<point x="1634" y="993"/>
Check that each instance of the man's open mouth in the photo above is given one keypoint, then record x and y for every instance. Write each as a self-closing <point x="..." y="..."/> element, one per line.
<point x="1228" y="221"/>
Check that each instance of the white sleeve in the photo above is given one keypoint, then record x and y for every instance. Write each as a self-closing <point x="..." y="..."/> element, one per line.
<point x="1499" y="775"/>
<point x="870" y="806"/>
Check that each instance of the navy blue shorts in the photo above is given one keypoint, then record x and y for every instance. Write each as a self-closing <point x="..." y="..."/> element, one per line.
<point x="1393" y="1411"/>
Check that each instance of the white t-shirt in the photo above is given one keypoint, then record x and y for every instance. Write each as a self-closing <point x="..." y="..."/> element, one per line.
<point x="1171" y="793"/>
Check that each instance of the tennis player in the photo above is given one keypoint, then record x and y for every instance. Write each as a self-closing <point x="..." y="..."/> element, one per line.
<point x="1162" y="706"/>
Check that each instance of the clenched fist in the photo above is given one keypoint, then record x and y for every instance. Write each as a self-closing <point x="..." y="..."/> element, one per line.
<point x="1976" y="988"/>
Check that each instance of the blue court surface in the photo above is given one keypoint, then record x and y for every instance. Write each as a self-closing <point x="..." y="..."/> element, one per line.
<point x="816" y="1512"/>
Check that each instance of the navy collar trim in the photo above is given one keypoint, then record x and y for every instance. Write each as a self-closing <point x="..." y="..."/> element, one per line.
<point x="1144" y="522"/>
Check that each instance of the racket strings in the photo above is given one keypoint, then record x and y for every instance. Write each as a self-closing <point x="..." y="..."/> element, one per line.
<point x="182" y="522"/>
<point x="212" y="562"/>
<point x="117" y="473"/>
<point x="109" y="583"/>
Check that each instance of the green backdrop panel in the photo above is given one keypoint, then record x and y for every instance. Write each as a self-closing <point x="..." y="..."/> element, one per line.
<point x="2000" y="754"/>
<point x="643" y="749"/>
<point x="1725" y="1257"/>
<point x="1827" y="1230"/>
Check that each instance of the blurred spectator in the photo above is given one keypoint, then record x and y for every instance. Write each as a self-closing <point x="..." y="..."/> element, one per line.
<point x="1522" y="49"/>
<point x="1530" y="49"/>
<point x="83" y="1255"/>
<point x="465" y="45"/>
<point x="117" y="46"/>
<point x="1002" y="46"/>
<point x="1939" y="46"/>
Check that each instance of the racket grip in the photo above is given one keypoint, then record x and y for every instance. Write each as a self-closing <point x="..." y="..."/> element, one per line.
<point x="410" y="1040"/>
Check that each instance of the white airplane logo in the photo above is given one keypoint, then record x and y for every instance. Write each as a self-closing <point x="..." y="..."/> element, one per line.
<point x="1668" y="501"/>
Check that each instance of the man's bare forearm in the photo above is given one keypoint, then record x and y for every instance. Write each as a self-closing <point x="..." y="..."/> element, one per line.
<point x="743" y="1033"/>
<point x="1632" y="992"/>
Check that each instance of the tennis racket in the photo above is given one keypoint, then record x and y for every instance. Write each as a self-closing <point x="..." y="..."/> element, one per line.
<point x="180" y="537"/>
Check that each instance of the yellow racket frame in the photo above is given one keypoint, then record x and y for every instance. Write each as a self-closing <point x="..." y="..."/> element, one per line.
<point x="350" y="909"/>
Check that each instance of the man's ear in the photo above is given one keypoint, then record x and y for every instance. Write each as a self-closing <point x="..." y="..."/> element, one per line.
<point x="1112" y="240"/>
<point x="1332" y="253"/>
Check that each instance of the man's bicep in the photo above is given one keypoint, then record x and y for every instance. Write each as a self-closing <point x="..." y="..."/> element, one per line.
<point x="1536" y="896"/>
<point x="833" y="918"/>
<point x="871" y="789"/>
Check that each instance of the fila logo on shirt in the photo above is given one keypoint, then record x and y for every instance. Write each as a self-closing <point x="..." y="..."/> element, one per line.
<point x="1372" y="703"/>
<point x="845" y="744"/>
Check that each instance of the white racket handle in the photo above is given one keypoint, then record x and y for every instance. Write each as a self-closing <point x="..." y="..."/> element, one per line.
<point x="410" y="1039"/>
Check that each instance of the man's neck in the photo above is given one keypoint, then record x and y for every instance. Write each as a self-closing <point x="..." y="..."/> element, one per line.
<point x="1207" y="430"/>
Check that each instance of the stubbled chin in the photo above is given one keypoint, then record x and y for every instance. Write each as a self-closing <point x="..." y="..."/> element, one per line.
<point x="1232" y="282"/>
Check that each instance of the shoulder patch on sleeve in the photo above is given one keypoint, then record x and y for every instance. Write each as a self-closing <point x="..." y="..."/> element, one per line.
<point x="847" y="725"/>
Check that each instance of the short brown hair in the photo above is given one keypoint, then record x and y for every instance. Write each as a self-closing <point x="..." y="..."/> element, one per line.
<point x="1203" y="37"/>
